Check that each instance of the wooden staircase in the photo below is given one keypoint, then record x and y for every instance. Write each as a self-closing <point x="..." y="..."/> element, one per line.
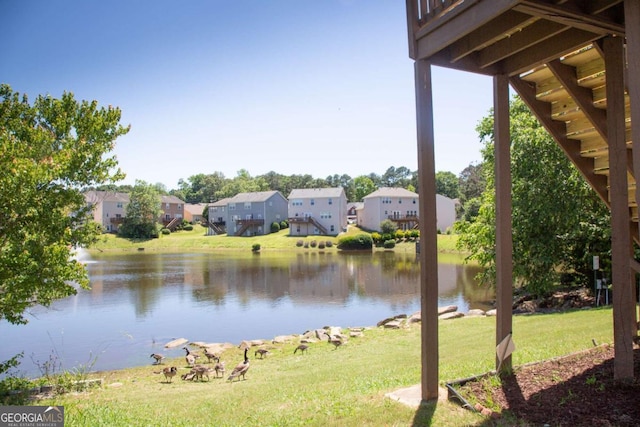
<point x="245" y="224"/>
<point x="310" y="220"/>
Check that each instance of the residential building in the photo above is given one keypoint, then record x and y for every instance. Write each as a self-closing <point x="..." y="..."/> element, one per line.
<point x="172" y="211"/>
<point x="193" y="212"/>
<point x="401" y="206"/>
<point x="321" y="211"/>
<point x="108" y="207"/>
<point x="251" y="214"/>
<point x="217" y="223"/>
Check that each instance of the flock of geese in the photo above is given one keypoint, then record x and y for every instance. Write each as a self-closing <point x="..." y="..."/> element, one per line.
<point x="199" y="371"/>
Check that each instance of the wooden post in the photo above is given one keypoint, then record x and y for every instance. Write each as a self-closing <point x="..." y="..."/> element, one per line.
<point x="621" y="248"/>
<point x="632" y="25"/>
<point x="428" y="231"/>
<point x="504" y="242"/>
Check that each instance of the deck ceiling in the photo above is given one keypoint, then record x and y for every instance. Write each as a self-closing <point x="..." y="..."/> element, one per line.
<point x="552" y="53"/>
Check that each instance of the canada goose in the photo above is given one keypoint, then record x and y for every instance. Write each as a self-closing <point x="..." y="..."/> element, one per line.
<point x="219" y="368"/>
<point x="201" y="371"/>
<point x="337" y="342"/>
<point x="241" y="368"/>
<point x="158" y="358"/>
<point x="169" y="373"/>
<point x="302" y="348"/>
<point x="262" y="352"/>
<point x="190" y="357"/>
<point x="211" y="355"/>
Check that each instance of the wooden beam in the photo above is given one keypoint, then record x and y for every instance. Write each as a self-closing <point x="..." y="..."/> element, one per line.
<point x="572" y="16"/>
<point x="558" y="129"/>
<point x="536" y="33"/>
<point x="621" y="248"/>
<point x="488" y="34"/>
<point x="469" y="16"/>
<point x="428" y="230"/>
<point x="632" y="20"/>
<point x="582" y="96"/>
<point x="541" y="53"/>
<point x="412" y="25"/>
<point x="504" y="242"/>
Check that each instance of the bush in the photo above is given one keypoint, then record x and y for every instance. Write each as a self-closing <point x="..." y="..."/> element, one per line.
<point x="284" y="225"/>
<point x="389" y="244"/>
<point x="400" y="235"/>
<point x="388" y="227"/>
<point x="329" y="243"/>
<point x="321" y="245"/>
<point x="359" y="241"/>
<point x="299" y="243"/>
<point x="376" y="237"/>
<point x="314" y="243"/>
<point x="165" y="231"/>
<point x="188" y="227"/>
<point x="275" y="227"/>
<point x="255" y="247"/>
<point x="306" y="245"/>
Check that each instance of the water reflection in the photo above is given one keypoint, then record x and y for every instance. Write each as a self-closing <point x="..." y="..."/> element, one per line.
<point x="140" y="301"/>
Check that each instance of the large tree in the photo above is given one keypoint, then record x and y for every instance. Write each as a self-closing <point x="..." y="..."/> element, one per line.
<point x="447" y="184"/>
<point x="143" y="212"/>
<point x="559" y="223"/>
<point x="49" y="150"/>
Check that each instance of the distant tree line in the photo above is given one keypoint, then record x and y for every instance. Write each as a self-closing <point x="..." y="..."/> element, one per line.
<point x="207" y="188"/>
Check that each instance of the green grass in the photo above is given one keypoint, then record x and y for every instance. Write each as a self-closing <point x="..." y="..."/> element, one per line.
<point x="326" y="387"/>
<point x="197" y="240"/>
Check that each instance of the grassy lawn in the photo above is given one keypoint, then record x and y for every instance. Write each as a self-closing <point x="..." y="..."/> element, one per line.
<point x="327" y="387"/>
<point x="197" y="240"/>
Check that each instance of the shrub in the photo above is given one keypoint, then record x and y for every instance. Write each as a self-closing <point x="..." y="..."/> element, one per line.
<point x="188" y="227"/>
<point x="376" y="237"/>
<point x="400" y="235"/>
<point x="306" y="245"/>
<point x="255" y="247"/>
<point x="358" y="241"/>
<point x="165" y="231"/>
<point x="388" y="227"/>
<point x="284" y="225"/>
<point x="414" y="234"/>
<point x="299" y="243"/>
<point x="275" y="227"/>
<point x="314" y="243"/>
<point x="389" y="244"/>
<point x="329" y="243"/>
<point x="321" y="245"/>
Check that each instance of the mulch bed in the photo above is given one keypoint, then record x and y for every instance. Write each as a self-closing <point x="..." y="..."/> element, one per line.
<point x="576" y="390"/>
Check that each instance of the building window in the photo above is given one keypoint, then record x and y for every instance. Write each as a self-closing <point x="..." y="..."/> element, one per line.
<point x="332" y="228"/>
<point x="232" y="206"/>
<point x="247" y="205"/>
<point x="414" y="201"/>
<point x="330" y="201"/>
<point x="119" y="205"/>
<point x="313" y="202"/>
<point x="399" y="201"/>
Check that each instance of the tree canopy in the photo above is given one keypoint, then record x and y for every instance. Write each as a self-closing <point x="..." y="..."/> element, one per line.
<point x="559" y="223"/>
<point x="143" y="212"/>
<point x="49" y="150"/>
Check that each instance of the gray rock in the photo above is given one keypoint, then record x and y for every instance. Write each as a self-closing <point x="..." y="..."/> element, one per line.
<point x="451" y="315"/>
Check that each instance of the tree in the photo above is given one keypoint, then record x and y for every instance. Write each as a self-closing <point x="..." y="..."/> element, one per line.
<point x="447" y="184"/>
<point x="558" y="220"/>
<point x="49" y="150"/>
<point x="472" y="182"/>
<point x="143" y="212"/>
<point x="363" y="187"/>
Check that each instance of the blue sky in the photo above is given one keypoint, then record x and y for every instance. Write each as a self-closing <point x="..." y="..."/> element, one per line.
<point x="291" y="86"/>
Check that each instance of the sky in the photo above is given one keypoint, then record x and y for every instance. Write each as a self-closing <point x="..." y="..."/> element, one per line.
<point x="290" y="86"/>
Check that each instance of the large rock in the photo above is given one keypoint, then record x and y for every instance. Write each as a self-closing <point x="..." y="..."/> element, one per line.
<point x="394" y="324"/>
<point x="176" y="343"/>
<point x="476" y="312"/>
<point x="447" y="309"/>
<point x="451" y="315"/>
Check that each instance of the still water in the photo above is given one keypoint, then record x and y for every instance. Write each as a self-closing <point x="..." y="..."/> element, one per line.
<point x="138" y="302"/>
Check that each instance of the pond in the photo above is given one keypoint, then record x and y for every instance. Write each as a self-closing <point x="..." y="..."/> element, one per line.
<point x="140" y="301"/>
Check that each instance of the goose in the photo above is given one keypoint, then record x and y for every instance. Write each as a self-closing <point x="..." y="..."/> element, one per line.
<point x="241" y="368"/>
<point x="190" y="357"/>
<point x="262" y="352"/>
<point x="211" y="355"/>
<point x="219" y="368"/>
<point x="169" y="373"/>
<point x="337" y="342"/>
<point x="158" y="358"/>
<point x="302" y="348"/>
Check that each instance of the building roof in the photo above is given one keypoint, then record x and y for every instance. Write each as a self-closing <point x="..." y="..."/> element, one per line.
<point x="194" y="208"/>
<point x="171" y="199"/>
<point x="391" y="192"/>
<point x="259" y="196"/>
<point x="221" y="202"/>
<point x="308" y="193"/>
<point x="95" y="197"/>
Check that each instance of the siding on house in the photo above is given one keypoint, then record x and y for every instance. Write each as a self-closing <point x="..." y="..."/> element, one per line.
<point x="317" y="211"/>
<point x="108" y="207"/>
<point x="218" y="217"/>
<point x="193" y="212"/>
<point x="251" y="214"/>
<point x="172" y="207"/>
<point x="401" y="206"/>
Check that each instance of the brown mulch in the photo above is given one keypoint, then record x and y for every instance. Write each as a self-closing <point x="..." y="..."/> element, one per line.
<point x="576" y="390"/>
